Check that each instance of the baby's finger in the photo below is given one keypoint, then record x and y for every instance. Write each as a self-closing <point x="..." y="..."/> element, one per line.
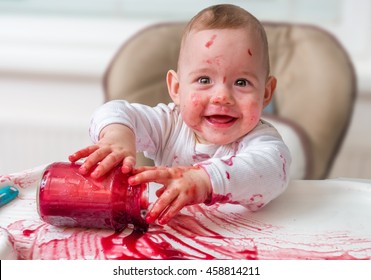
<point x="128" y="164"/>
<point x="140" y="169"/>
<point x="160" y="191"/>
<point x="107" y="162"/>
<point x="83" y="153"/>
<point x="171" y="211"/>
<point x="160" y="205"/>
<point x="156" y="175"/>
<point x="92" y="161"/>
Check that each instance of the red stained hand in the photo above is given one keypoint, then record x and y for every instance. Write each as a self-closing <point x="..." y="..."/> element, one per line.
<point x="181" y="186"/>
<point x="116" y="145"/>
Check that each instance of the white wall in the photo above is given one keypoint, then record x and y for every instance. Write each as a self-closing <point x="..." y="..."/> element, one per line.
<point x="50" y="84"/>
<point x="42" y="121"/>
<point x="353" y="29"/>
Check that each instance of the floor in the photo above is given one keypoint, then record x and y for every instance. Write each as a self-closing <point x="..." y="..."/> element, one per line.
<point x="354" y="158"/>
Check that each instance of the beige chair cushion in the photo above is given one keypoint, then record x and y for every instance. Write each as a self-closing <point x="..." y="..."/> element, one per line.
<point x="315" y="91"/>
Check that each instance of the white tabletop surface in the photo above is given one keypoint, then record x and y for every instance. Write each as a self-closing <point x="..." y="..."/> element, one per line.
<point x="319" y="219"/>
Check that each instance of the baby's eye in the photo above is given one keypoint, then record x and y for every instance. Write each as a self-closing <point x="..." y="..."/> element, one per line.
<point x="241" y="82"/>
<point x="204" y="80"/>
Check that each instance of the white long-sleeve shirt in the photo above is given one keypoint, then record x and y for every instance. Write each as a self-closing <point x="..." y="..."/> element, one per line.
<point x="250" y="171"/>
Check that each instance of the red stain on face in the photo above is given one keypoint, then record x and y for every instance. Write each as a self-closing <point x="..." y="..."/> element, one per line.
<point x="224" y="79"/>
<point x="196" y="99"/>
<point x="209" y="61"/>
<point x="249" y="52"/>
<point x="210" y="42"/>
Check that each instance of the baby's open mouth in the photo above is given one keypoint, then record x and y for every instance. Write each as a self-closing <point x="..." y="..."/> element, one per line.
<point x="220" y="119"/>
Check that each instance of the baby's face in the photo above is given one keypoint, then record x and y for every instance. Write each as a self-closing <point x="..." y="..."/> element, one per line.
<point x="221" y="84"/>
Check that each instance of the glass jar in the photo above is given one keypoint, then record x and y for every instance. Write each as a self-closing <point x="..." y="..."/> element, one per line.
<point x="67" y="198"/>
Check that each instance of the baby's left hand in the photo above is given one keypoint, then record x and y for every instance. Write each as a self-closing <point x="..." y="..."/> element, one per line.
<point x="181" y="186"/>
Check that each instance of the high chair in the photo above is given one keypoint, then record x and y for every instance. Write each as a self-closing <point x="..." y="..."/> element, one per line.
<point x="312" y="105"/>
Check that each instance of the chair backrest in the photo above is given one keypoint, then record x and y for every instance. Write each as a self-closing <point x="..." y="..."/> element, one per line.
<point x="315" y="91"/>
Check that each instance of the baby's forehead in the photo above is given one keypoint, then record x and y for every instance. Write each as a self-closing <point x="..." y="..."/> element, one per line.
<point x="210" y="35"/>
<point x="247" y="31"/>
<point x="207" y="38"/>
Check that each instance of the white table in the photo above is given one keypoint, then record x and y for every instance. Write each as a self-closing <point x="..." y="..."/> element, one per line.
<point x="327" y="219"/>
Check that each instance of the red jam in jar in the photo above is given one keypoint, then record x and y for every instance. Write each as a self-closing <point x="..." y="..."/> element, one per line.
<point x="68" y="198"/>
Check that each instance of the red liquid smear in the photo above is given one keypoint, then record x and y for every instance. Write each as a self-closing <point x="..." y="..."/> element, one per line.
<point x="23" y="181"/>
<point x="28" y="232"/>
<point x="195" y="234"/>
<point x="157" y="244"/>
<point x="199" y="232"/>
<point x="200" y="157"/>
<point x="284" y="167"/>
<point x="229" y="161"/>
<point x="139" y="245"/>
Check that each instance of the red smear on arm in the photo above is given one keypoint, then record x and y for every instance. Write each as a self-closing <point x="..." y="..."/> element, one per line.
<point x="229" y="161"/>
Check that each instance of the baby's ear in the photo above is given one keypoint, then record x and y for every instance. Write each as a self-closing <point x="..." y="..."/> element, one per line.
<point x="270" y="86"/>
<point x="173" y="85"/>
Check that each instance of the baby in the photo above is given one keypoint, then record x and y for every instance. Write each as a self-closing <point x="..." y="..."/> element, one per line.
<point x="210" y="145"/>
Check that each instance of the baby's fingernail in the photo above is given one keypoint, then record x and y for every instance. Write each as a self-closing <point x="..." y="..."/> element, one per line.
<point x="150" y="219"/>
<point x="94" y="174"/>
<point x="125" y="169"/>
<point x="162" y="221"/>
<point x="131" y="181"/>
<point x="82" y="170"/>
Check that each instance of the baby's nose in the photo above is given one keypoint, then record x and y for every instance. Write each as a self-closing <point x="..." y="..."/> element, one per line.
<point x="222" y="96"/>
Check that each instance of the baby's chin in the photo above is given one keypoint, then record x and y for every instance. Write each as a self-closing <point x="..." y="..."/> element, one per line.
<point x="216" y="139"/>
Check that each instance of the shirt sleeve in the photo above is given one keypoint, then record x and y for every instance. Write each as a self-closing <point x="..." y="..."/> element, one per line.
<point x="255" y="174"/>
<point x="151" y="124"/>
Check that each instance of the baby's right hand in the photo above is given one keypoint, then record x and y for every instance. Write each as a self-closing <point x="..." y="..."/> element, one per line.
<point x="116" y="145"/>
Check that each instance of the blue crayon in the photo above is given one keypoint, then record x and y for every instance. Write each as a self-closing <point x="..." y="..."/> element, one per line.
<point x="7" y="194"/>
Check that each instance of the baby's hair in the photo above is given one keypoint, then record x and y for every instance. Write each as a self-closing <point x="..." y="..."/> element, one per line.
<point x="226" y="16"/>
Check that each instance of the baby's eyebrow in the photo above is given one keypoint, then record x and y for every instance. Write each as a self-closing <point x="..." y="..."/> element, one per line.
<point x="201" y="71"/>
<point x="249" y="74"/>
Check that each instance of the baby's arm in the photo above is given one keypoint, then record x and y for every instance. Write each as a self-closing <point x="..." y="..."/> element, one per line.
<point x="116" y="145"/>
<point x="251" y="178"/>
<point x="181" y="186"/>
<point x="112" y="129"/>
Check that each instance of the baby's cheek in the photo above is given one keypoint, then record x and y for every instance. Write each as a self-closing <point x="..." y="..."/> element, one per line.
<point x="196" y="100"/>
<point x="192" y="110"/>
<point x="254" y="118"/>
<point x="252" y="113"/>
